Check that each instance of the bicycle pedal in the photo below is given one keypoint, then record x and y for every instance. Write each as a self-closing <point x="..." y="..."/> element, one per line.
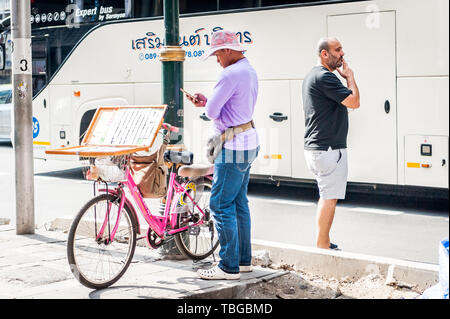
<point x="194" y="230"/>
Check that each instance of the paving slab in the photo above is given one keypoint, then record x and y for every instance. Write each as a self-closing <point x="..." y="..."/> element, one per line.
<point x="35" y="266"/>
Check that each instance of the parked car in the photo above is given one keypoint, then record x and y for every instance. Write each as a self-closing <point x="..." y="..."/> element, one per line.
<point x="5" y="112"/>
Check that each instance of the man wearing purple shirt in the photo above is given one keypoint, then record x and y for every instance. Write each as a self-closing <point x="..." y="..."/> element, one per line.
<point x="231" y="105"/>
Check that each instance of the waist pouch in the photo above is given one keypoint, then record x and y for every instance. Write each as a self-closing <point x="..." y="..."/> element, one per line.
<point x="215" y="143"/>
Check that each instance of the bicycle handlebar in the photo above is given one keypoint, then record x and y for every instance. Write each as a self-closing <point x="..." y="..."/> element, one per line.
<point x="170" y="127"/>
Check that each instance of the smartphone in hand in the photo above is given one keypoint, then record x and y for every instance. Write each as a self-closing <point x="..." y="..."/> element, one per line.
<point x="189" y="95"/>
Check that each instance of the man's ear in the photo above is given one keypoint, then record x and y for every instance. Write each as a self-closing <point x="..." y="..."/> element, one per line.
<point x="324" y="54"/>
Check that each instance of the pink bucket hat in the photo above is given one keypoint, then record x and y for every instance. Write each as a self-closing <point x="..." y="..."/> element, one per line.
<point x="223" y="40"/>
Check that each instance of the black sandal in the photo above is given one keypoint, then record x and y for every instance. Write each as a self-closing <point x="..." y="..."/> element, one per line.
<point x="334" y="246"/>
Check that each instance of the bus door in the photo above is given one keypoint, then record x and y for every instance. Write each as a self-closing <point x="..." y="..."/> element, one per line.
<point x="41" y="108"/>
<point x="368" y="40"/>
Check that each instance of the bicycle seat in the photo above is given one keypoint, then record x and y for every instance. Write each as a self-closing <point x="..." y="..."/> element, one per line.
<point x="196" y="170"/>
<point x="184" y="157"/>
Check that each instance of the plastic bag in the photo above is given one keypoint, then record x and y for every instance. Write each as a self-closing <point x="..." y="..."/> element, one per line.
<point x="440" y="290"/>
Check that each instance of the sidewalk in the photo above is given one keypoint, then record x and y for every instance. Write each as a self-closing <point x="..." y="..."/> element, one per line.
<point x="35" y="266"/>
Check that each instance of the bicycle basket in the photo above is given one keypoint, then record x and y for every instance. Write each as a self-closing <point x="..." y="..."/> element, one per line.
<point x="108" y="168"/>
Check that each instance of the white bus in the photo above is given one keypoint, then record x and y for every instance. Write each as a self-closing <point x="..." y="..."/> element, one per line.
<point x="398" y="139"/>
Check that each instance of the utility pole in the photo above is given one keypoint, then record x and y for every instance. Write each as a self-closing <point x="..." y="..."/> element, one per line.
<point x="172" y="57"/>
<point x="23" y="115"/>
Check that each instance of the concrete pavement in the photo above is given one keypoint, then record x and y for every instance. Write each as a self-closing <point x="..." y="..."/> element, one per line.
<point x="35" y="266"/>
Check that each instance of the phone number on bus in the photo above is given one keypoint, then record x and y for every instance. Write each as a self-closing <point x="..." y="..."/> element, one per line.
<point x="188" y="54"/>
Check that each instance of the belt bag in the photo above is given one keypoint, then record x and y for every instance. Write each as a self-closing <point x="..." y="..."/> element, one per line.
<point x="215" y="143"/>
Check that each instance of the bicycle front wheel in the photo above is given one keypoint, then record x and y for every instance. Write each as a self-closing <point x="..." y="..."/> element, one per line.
<point x="95" y="260"/>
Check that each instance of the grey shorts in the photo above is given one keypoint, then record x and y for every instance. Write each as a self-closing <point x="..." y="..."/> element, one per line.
<point x="330" y="170"/>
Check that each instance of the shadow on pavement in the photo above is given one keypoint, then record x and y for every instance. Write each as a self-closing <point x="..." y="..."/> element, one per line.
<point x="5" y="144"/>
<point x="72" y="173"/>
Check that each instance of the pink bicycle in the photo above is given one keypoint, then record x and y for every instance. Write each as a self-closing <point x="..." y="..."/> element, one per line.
<point x="102" y="238"/>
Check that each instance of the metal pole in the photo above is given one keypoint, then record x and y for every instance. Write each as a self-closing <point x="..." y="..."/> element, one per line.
<point x="172" y="57"/>
<point x="23" y="115"/>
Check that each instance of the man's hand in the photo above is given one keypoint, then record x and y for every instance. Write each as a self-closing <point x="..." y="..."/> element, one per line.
<point x="199" y="99"/>
<point x="352" y="101"/>
<point x="346" y="72"/>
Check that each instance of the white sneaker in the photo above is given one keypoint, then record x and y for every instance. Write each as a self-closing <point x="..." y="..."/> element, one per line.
<point x="215" y="273"/>
<point x="246" y="268"/>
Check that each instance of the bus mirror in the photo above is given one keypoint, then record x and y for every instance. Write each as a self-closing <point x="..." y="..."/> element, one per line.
<point x="2" y="56"/>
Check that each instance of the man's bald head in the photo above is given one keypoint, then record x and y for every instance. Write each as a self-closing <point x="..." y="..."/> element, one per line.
<point x="330" y="53"/>
<point x="324" y="44"/>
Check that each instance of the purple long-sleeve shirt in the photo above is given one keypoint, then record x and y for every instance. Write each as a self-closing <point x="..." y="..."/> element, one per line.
<point x="232" y="103"/>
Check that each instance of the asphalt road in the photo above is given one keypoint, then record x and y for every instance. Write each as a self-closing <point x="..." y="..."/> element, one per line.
<point x="388" y="227"/>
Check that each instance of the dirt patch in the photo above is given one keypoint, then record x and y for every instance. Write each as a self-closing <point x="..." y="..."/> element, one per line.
<point x="301" y="285"/>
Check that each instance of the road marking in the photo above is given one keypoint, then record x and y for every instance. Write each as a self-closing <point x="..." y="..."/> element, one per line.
<point x="45" y="177"/>
<point x="376" y="211"/>
<point x="288" y="202"/>
<point x="52" y="178"/>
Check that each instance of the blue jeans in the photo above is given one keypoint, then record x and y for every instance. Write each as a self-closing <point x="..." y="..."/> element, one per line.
<point x="229" y="205"/>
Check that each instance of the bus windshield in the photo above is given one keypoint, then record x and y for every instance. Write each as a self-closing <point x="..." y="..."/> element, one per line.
<point x="57" y="26"/>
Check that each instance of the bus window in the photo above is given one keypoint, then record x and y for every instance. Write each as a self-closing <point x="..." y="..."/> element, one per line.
<point x="193" y="6"/>
<point x="96" y="8"/>
<point x="239" y="4"/>
<point x="267" y="3"/>
<point x="39" y="55"/>
<point x="5" y="97"/>
<point x="9" y="98"/>
<point x="45" y="13"/>
<point x="146" y="8"/>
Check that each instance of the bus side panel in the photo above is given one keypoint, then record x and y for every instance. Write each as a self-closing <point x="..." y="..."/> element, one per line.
<point x="61" y="116"/>
<point x="71" y="102"/>
<point x="86" y="97"/>
<point x="299" y="166"/>
<point x="41" y="124"/>
<point x="423" y="119"/>
<point x="422" y="37"/>
<point x="147" y="93"/>
<point x="105" y="56"/>
<point x="197" y="128"/>
<point x="274" y="136"/>
<point x="426" y="160"/>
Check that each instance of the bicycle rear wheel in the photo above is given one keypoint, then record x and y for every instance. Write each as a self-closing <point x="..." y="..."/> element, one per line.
<point x="200" y="241"/>
<point x="94" y="260"/>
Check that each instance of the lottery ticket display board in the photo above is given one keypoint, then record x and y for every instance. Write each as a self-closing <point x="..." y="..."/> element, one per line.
<point x="118" y="131"/>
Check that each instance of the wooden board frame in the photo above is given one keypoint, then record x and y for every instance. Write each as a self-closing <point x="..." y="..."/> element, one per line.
<point x="85" y="149"/>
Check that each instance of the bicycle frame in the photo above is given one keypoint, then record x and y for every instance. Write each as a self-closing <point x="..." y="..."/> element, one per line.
<point x="162" y="225"/>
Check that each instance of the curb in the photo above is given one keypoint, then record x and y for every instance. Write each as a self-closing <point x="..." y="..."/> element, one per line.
<point x="338" y="264"/>
<point x="231" y="291"/>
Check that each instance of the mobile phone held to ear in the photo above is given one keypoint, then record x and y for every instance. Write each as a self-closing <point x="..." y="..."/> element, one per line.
<point x="188" y="94"/>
